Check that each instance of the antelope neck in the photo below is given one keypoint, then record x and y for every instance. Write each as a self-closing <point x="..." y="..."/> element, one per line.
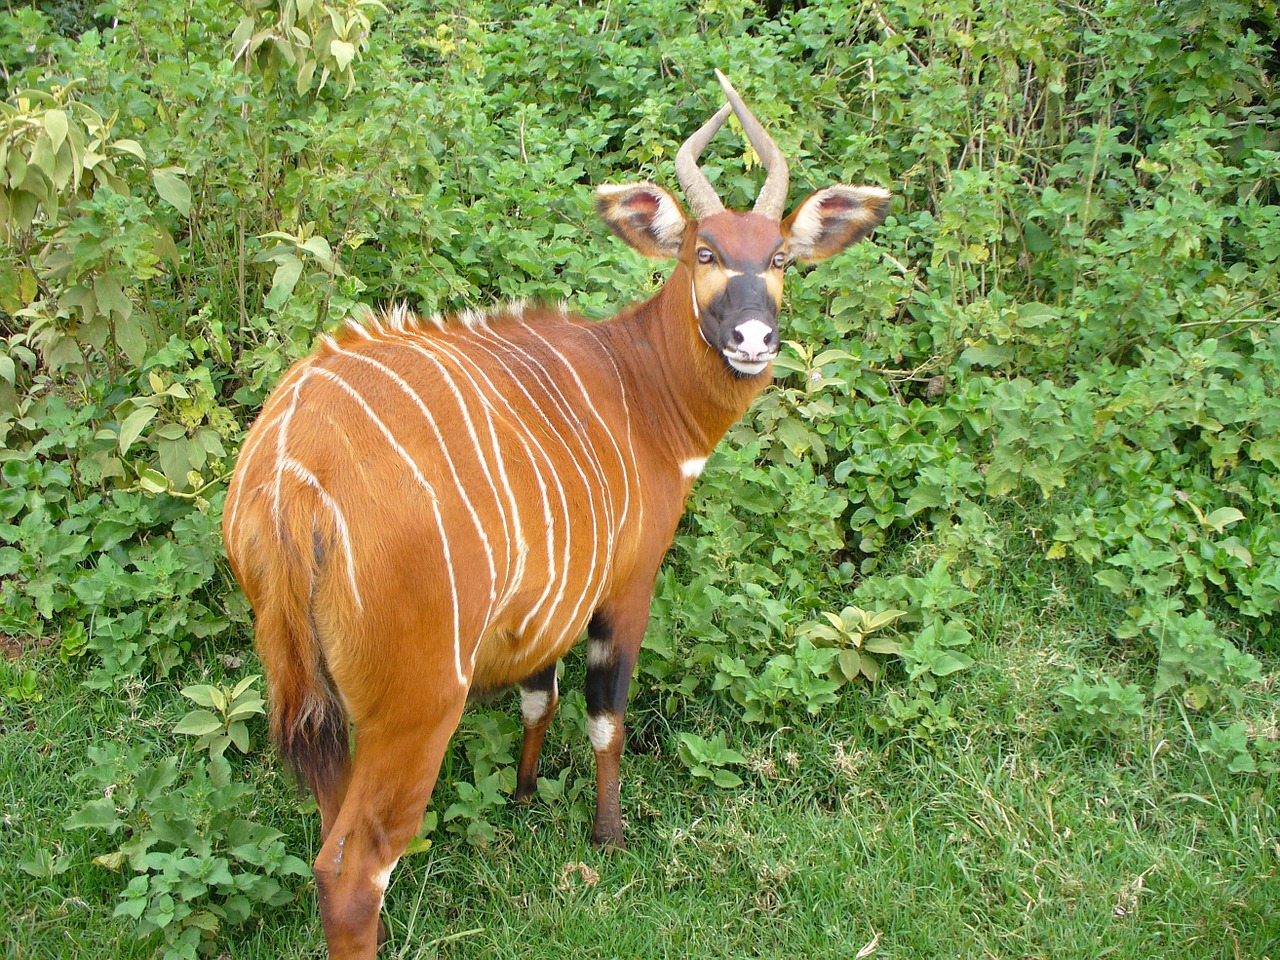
<point x="691" y="397"/>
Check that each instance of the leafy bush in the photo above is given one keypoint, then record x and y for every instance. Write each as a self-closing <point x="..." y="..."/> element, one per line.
<point x="197" y="863"/>
<point x="1072" y="306"/>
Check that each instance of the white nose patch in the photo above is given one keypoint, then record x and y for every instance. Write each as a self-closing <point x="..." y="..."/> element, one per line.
<point x="753" y="353"/>
<point x="755" y="339"/>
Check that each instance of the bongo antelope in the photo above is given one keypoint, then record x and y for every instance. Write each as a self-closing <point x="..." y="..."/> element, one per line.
<point x="430" y="508"/>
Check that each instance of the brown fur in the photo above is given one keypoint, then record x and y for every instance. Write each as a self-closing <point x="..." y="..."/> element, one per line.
<point x="428" y="508"/>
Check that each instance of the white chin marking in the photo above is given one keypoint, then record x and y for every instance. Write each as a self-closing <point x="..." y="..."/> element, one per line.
<point x="600" y="731"/>
<point x="750" y="369"/>
<point x="692" y="467"/>
<point x="533" y="705"/>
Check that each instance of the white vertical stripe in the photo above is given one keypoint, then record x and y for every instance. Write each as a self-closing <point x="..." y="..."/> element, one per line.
<point x="432" y="498"/>
<point x="540" y="375"/>
<point x="515" y="420"/>
<point x="282" y="441"/>
<point x="310" y="479"/>
<point x="444" y="448"/>
<point x="626" y="413"/>
<point x="256" y="438"/>
<point x="510" y="519"/>
<point x="605" y="427"/>
<point x="520" y="418"/>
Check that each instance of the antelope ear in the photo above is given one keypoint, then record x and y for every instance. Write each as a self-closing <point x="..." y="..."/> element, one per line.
<point x="828" y="221"/>
<point x="647" y="217"/>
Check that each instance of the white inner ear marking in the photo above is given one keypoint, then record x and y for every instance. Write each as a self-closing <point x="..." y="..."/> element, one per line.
<point x="807" y="226"/>
<point x="692" y="467"/>
<point x="600" y="731"/>
<point x="668" y="222"/>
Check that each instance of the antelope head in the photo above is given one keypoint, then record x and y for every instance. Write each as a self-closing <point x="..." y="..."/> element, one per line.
<point x="736" y="260"/>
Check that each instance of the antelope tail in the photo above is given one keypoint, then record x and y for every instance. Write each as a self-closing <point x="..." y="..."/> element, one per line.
<point x="307" y="719"/>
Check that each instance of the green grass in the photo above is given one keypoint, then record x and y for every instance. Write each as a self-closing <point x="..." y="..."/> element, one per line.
<point x="1001" y="838"/>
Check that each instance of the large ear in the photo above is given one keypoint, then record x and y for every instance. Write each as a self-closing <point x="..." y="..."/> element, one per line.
<point x="831" y="219"/>
<point x="644" y="215"/>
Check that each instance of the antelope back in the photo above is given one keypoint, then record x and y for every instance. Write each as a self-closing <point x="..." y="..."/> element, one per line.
<point x="493" y="450"/>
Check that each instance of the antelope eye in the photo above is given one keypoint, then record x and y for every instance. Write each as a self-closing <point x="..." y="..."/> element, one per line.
<point x="705" y="255"/>
<point x="779" y="260"/>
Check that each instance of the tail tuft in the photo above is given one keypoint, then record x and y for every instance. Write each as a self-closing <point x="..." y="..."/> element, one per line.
<point x="314" y="742"/>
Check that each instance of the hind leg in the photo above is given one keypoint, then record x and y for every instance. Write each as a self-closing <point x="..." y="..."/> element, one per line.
<point x="539" y="695"/>
<point x="397" y="759"/>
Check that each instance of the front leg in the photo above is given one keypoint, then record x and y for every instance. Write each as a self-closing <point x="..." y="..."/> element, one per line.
<point x="613" y="643"/>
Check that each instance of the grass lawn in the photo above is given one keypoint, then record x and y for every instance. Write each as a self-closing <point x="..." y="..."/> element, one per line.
<point x="999" y="837"/>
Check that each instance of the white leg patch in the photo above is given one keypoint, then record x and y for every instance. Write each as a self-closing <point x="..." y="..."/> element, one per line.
<point x="692" y="467"/>
<point x="601" y="731"/>
<point x="599" y="653"/>
<point x="533" y="705"/>
<point x="383" y="877"/>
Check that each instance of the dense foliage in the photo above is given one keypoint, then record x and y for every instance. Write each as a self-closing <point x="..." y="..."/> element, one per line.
<point x="1065" y="334"/>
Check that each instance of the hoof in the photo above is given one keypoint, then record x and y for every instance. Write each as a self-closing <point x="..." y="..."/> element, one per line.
<point x="609" y="841"/>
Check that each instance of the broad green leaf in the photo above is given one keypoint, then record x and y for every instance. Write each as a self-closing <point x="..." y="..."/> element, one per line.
<point x="727" y="779"/>
<point x="836" y="620"/>
<point x="417" y="845"/>
<point x="343" y="53"/>
<point x="882" y="645"/>
<point x="319" y="248"/>
<point x="173" y="189"/>
<point x="244" y="684"/>
<point x="197" y="723"/>
<point x="948" y="663"/>
<point x="239" y="735"/>
<point x="306" y="75"/>
<point x="883" y="618"/>
<point x="133" y="426"/>
<point x="872" y="668"/>
<point x="206" y="695"/>
<point x="851" y="664"/>
<point x="131" y="339"/>
<point x="95" y="815"/>
<point x="112" y="861"/>
<point x="171" y="431"/>
<point x="246" y="708"/>
<point x="241" y="36"/>
<point x="1223" y="517"/>
<point x="153" y="481"/>
<point x="56" y="124"/>
<point x="831" y="356"/>
<point x="285" y="279"/>
<point x="131" y="147"/>
<point x="111" y="296"/>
